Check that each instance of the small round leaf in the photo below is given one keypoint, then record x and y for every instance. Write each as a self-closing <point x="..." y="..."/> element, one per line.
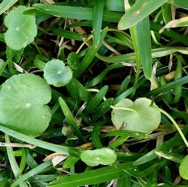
<point x="104" y="156"/>
<point x="22" y="29"/>
<point x="56" y="73"/>
<point x="183" y="168"/>
<point x="137" y="116"/>
<point x="23" y="100"/>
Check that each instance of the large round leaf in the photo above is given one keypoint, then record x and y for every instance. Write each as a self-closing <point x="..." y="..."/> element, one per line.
<point x="23" y="100"/>
<point x="183" y="168"/>
<point x="104" y="156"/>
<point x="21" y="28"/>
<point x="56" y="73"/>
<point x="137" y="116"/>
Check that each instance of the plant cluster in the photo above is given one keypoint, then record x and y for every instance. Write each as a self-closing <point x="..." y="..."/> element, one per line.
<point x="93" y="93"/>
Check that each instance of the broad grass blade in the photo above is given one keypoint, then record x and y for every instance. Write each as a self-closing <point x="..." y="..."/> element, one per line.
<point x="142" y="45"/>
<point x="140" y="10"/>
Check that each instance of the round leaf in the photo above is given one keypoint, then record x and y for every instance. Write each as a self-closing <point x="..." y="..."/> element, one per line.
<point x="73" y="60"/>
<point x="21" y="28"/>
<point x="183" y="168"/>
<point x="56" y="73"/>
<point x="23" y="100"/>
<point x="137" y="116"/>
<point x="104" y="156"/>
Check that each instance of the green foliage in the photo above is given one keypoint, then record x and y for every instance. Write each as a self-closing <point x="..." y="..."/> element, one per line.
<point x="24" y="98"/>
<point x="136" y="116"/>
<point x="140" y="10"/>
<point x="104" y="156"/>
<point x="22" y="29"/>
<point x="183" y="168"/>
<point x="56" y="73"/>
<point x="103" y="87"/>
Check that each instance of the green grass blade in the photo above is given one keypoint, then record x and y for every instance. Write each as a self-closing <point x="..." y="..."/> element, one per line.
<point x="123" y="85"/>
<point x="95" y="101"/>
<point x="70" y="161"/>
<point x="5" y="5"/>
<point x="31" y="173"/>
<point x="14" y="166"/>
<point x="166" y="146"/>
<point x="129" y="91"/>
<point x="179" y="3"/>
<point x="179" y="89"/>
<point x="95" y="134"/>
<point x="45" y="145"/>
<point x="166" y="12"/>
<point x="114" y="5"/>
<point x="31" y="161"/>
<point x="102" y="75"/>
<point x="82" y="13"/>
<point x="171" y="85"/>
<point x="91" y="53"/>
<point x="143" y="173"/>
<point x="156" y="53"/>
<point x="119" y="141"/>
<point x="95" y="176"/>
<point x="182" y="22"/>
<point x="23" y="159"/>
<point x="170" y="33"/>
<point x="126" y="133"/>
<point x="102" y="109"/>
<point x="170" y="156"/>
<point x="140" y="10"/>
<point x="124" y="181"/>
<point x="68" y="34"/>
<point x="70" y="119"/>
<point x="97" y="22"/>
<point x="123" y="38"/>
<point x="140" y="34"/>
<point x="77" y="90"/>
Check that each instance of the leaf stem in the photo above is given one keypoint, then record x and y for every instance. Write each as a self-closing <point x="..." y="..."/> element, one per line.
<point x="123" y="108"/>
<point x="173" y="121"/>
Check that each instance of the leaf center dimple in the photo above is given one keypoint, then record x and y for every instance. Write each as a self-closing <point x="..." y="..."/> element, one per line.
<point x="59" y="72"/>
<point x="28" y="105"/>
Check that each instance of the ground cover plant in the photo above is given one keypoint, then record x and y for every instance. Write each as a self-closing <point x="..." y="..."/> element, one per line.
<point x="93" y="93"/>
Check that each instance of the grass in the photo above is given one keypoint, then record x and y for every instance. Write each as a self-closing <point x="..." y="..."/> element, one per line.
<point x="113" y="55"/>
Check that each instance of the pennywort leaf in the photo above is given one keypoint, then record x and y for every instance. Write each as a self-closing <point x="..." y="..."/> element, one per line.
<point x="183" y="168"/>
<point x="104" y="156"/>
<point x="56" y="73"/>
<point x="24" y="98"/>
<point x="137" y="116"/>
<point x="22" y="29"/>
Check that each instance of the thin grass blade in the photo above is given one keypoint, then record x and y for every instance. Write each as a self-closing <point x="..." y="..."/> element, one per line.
<point x="14" y="166"/>
<point x="5" y="5"/>
<point x="31" y="173"/>
<point x="70" y="119"/>
<point x="95" y="176"/>
<point x="45" y="145"/>
<point x="97" y="22"/>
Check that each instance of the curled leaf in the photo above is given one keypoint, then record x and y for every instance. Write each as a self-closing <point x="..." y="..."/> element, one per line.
<point x="104" y="156"/>
<point x="182" y="22"/>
